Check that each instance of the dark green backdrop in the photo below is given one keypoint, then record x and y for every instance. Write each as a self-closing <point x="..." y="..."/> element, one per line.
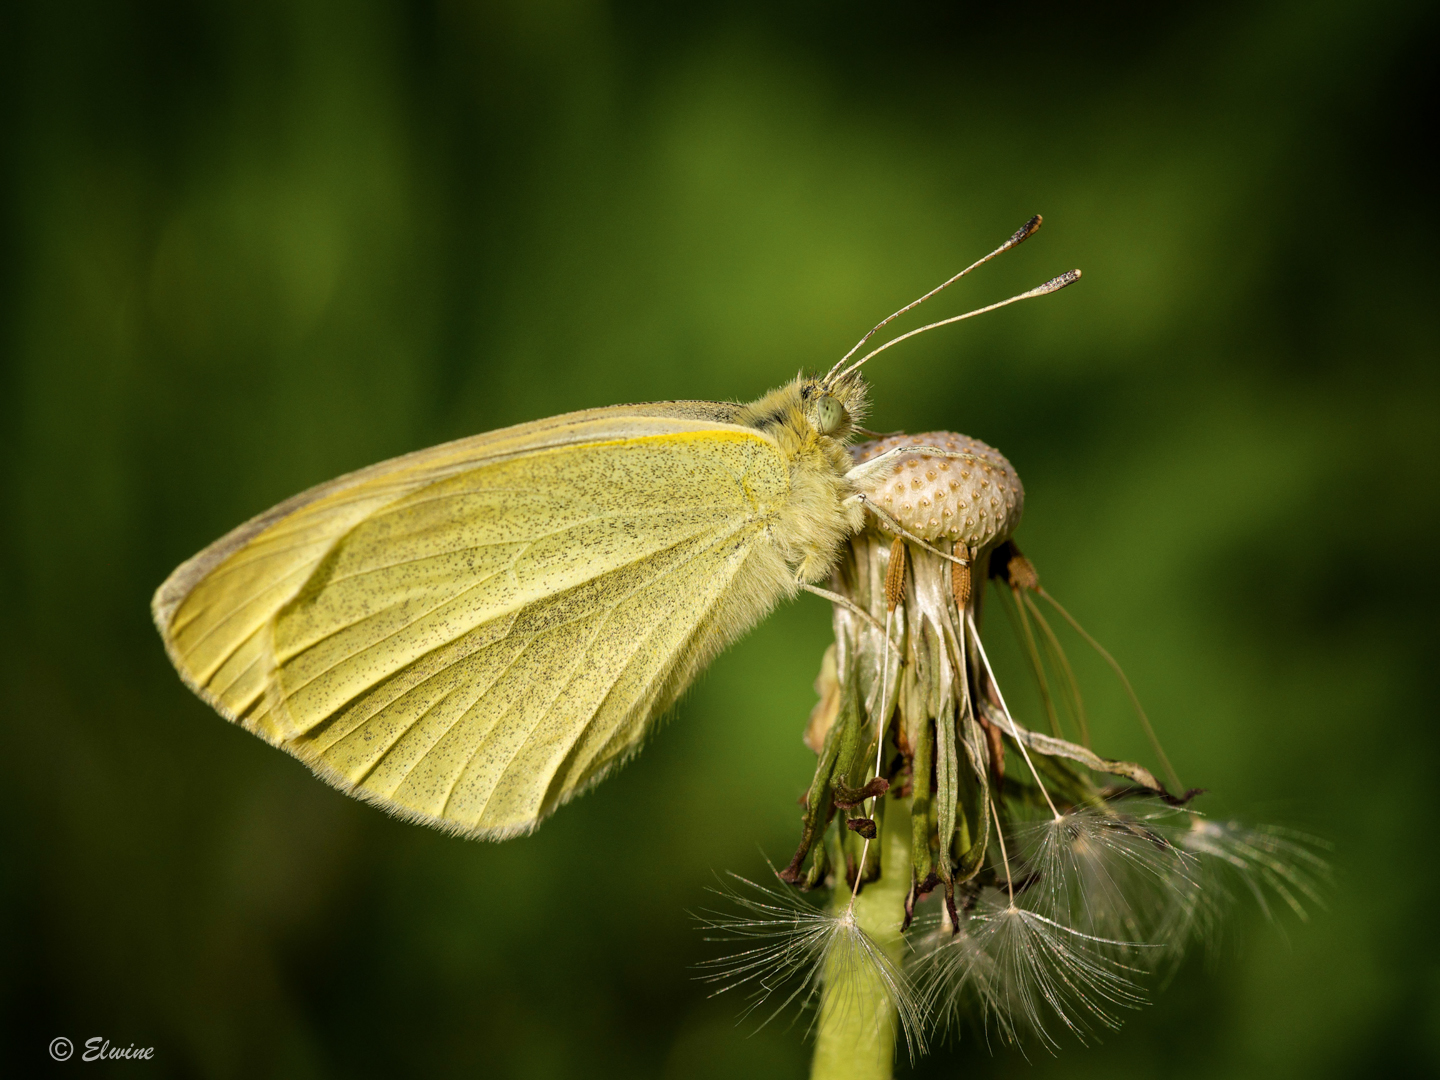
<point x="249" y="246"/>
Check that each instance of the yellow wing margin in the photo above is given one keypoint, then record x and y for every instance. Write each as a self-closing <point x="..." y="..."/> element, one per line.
<point x="471" y="635"/>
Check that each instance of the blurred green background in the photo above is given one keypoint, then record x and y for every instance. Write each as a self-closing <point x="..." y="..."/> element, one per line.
<point x="248" y="246"/>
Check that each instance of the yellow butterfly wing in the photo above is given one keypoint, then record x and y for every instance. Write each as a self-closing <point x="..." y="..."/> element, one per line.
<point x="471" y="635"/>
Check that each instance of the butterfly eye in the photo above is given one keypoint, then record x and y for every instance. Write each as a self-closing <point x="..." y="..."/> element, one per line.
<point x="829" y="414"/>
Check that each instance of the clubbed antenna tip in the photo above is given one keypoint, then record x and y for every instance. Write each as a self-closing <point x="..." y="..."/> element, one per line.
<point x="1055" y="284"/>
<point x="1029" y="229"/>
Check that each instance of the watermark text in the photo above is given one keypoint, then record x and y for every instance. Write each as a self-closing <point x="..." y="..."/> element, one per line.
<point x="99" y="1048"/>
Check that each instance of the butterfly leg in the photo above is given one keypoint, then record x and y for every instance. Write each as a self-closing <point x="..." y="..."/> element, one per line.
<point x="894" y="526"/>
<point x="850" y="605"/>
<point x="878" y="466"/>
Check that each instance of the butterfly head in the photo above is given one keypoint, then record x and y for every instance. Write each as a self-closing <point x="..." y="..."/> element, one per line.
<point x="833" y="406"/>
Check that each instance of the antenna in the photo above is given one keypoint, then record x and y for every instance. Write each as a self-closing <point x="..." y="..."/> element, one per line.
<point x="1055" y="284"/>
<point x="1018" y="237"/>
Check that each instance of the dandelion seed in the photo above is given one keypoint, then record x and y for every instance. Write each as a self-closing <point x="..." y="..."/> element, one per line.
<point x="1107" y="874"/>
<point x="1044" y="971"/>
<point x="1264" y="856"/>
<point x="958" y="979"/>
<point x="805" y="955"/>
<point x="1230" y="856"/>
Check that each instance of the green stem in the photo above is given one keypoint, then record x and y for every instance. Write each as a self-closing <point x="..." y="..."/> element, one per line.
<point x="855" y="1033"/>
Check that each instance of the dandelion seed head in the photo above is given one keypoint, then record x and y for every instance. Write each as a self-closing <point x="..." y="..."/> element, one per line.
<point x="933" y="515"/>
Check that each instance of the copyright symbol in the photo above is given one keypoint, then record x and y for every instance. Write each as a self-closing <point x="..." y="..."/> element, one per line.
<point x="61" y="1048"/>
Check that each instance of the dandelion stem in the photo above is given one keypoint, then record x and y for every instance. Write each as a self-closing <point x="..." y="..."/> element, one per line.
<point x="855" y="1032"/>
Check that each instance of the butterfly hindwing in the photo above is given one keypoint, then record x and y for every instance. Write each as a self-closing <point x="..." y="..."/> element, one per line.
<point x="471" y="635"/>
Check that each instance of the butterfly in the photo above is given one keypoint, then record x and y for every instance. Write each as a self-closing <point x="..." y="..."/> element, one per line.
<point x="471" y="635"/>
